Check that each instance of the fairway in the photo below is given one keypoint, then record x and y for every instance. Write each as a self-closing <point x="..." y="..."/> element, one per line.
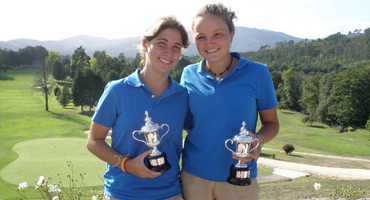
<point x="48" y="158"/>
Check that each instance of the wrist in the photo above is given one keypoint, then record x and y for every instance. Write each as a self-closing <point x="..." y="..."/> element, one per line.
<point x="123" y="163"/>
<point x="261" y="139"/>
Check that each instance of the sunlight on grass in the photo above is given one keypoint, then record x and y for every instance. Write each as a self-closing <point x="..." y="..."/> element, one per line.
<point x="48" y="157"/>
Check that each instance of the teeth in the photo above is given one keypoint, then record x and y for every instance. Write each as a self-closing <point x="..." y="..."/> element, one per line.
<point x="165" y="61"/>
<point x="212" y="50"/>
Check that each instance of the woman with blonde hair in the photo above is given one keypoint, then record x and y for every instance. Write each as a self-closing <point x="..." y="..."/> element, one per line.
<point x="225" y="90"/>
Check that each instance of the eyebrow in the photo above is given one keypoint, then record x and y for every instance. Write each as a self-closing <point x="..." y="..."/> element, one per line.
<point x="177" y="43"/>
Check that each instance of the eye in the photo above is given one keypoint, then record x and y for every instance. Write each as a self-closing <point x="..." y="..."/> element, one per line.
<point x="218" y="34"/>
<point x="200" y="38"/>
<point x="162" y="44"/>
<point x="178" y="48"/>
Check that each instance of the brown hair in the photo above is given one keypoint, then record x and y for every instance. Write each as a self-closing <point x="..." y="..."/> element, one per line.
<point x="220" y="10"/>
<point x="160" y="25"/>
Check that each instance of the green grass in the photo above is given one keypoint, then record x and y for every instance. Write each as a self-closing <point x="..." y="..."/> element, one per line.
<point x="34" y="142"/>
<point x="319" y="138"/>
<point x="23" y="118"/>
<point x="46" y="156"/>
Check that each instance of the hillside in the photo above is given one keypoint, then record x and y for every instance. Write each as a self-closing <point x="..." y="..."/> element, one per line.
<point x="246" y="39"/>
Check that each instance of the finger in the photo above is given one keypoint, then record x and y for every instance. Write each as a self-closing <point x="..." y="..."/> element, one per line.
<point x="146" y="153"/>
<point x="251" y="134"/>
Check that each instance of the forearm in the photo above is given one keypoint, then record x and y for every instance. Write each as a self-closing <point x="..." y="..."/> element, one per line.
<point x="103" y="151"/>
<point x="268" y="132"/>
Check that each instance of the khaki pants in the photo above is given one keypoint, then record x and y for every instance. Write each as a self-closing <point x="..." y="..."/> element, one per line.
<point x="177" y="197"/>
<point x="195" y="188"/>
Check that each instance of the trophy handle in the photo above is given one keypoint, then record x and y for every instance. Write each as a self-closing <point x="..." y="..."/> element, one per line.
<point x="256" y="145"/>
<point x="232" y="141"/>
<point x="133" y="135"/>
<point x="168" y="129"/>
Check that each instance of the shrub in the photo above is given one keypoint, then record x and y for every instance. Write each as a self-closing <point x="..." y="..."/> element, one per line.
<point x="367" y="126"/>
<point x="288" y="148"/>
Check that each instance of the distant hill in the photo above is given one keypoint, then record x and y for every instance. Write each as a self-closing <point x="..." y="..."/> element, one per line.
<point x="246" y="39"/>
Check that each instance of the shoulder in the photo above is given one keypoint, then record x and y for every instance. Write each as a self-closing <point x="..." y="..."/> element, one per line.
<point x="178" y="88"/>
<point x="252" y="66"/>
<point x="116" y="83"/>
<point x="192" y="67"/>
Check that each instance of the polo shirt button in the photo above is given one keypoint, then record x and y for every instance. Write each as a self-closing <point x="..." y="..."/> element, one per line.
<point x="153" y="96"/>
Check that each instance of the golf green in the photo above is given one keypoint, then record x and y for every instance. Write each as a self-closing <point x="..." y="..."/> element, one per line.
<point x="52" y="157"/>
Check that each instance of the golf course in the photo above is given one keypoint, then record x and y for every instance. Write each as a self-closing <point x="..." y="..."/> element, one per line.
<point x="35" y="142"/>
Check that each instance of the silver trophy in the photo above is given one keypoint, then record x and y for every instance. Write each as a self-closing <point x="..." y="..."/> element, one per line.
<point x="157" y="160"/>
<point x="240" y="173"/>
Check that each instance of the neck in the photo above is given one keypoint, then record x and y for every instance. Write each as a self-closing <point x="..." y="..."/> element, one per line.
<point x="222" y="72"/>
<point x="156" y="82"/>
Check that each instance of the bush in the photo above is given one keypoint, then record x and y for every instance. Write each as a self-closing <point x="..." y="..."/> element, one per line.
<point x="288" y="148"/>
<point x="368" y="124"/>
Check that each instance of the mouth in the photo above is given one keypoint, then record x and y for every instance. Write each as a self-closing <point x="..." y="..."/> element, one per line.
<point x="211" y="50"/>
<point x="165" y="61"/>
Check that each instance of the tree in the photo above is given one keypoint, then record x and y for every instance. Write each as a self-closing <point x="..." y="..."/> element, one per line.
<point x="350" y="97"/>
<point x="55" y="64"/>
<point x="65" y="97"/>
<point x="42" y="78"/>
<point x="43" y="84"/>
<point x="292" y="88"/>
<point x="310" y="98"/>
<point x="79" y="61"/>
<point x="87" y="88"/>
<point x="79" y="90"/>
<point x="322" y="110"/>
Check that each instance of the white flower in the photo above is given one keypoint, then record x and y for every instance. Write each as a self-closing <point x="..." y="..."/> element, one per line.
<point x="53" y="188"/>
<point x="39" y="182"/>
<point x="94" y="197"/>
<point x="22" y="186"/>
<point x="317" y="186"/>
<point x="55" y="198"/>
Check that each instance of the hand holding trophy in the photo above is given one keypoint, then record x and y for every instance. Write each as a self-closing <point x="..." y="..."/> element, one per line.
<point x="157" y="160"/>
<point x="240" y="173"/>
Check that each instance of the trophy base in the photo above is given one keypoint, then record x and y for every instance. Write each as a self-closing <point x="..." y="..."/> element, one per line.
<point x="159" y="163"/>
<point x="239" y="176"/>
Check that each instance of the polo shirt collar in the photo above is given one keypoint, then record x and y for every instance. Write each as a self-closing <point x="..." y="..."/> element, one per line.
<point x="135" y="81"/>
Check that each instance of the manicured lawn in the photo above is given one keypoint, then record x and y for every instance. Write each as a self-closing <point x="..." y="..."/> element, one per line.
<point x="319" y="138"/>
<point x="50" y="157"/>
<point x="34" y="142"/>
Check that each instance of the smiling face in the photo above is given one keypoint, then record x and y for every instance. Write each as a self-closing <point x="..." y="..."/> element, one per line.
<point x="164" y="51"/>
<point x="212" y="38"/>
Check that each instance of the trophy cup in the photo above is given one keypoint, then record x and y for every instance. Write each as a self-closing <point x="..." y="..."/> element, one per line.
<point x="157" y="160"/>
<point x="240" y="173"/>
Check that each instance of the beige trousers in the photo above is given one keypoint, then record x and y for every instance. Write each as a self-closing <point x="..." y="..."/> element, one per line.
<point x="195" y="188"/>
<point x="177" y="197"/>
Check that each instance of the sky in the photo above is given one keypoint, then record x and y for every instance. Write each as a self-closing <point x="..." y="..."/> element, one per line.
<point x="116" y="19"/>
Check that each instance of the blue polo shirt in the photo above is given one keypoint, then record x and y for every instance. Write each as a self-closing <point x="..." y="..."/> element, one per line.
<point x="122" y="107"/>
<point x="217" y="110"/>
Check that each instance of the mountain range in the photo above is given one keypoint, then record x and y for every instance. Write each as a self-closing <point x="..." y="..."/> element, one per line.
<point x="245" y="39"/>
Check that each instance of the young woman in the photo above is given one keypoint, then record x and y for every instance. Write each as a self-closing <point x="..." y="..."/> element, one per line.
<point x="122" y="108"/>
<point x="224" y="90"/>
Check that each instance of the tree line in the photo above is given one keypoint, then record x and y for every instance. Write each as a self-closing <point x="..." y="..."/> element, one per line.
<point x="326" y="79"/>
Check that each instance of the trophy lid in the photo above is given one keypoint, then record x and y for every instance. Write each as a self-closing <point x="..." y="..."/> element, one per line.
<point x="243" y="136"/>
<point x="149" y="125"/>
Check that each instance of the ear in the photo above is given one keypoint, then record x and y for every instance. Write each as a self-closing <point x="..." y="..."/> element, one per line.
<point x="144" y="44"/>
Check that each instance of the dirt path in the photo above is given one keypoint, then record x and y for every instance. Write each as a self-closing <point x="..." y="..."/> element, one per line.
<point x="319" y="171"/>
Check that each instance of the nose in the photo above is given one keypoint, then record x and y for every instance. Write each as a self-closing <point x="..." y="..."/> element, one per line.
<point x="209" y="42"/>
<point x="168" y="50"/>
